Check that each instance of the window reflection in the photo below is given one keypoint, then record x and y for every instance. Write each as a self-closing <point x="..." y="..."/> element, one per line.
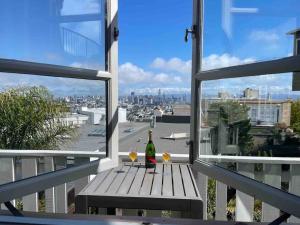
<point x="62" y="32"/>
<point x="250" y="119"/>
<point x="239" y="32"/>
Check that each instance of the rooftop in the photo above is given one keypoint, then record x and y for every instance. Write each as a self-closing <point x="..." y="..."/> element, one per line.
<point x="138" y="140"/>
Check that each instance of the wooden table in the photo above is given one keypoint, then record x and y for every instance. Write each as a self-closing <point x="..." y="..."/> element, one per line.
<point x="168" y="187"/>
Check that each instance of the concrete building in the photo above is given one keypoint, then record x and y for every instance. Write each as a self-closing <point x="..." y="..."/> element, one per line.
<point x="224" y="95"/>
<point x="161" y="137"/>
<point x="97" y="115"/>
<point x="75" y="119"/>
<point x="261" y="111"/>
<point x="269" y="112"/>
<point x="182" y="110"/>
<point x="250" y="93"/>
<point x="122" y="115"/>
<point x="158" y="112"/>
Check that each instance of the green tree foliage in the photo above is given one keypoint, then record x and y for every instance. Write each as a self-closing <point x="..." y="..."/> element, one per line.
<point x="230" y="112"/>
<point x="295" y="116"/>
<point x="234" y="115"/>
<point x="211" y="198"/>
<point x="31" y="119"/>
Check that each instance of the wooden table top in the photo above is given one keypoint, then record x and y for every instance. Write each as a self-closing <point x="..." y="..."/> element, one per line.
<point x="166" y="180"/>
<point x="168" y="186"/>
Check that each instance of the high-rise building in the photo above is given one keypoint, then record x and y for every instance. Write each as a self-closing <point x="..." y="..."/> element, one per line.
<point x="250" y="93"/>
<point x="132" y="97"/>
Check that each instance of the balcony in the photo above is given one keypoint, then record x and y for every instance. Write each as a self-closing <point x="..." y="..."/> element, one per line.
<point x="65" y="139"/>
<point x="60" y="198"/>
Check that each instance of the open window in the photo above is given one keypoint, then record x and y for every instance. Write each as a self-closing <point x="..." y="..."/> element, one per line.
<point x="243" y="70"/>
<point x="70" y="50"/>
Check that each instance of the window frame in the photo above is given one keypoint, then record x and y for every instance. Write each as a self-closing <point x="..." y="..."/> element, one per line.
<point x="268" y="194"/>
<point x="276" y="66"/>
<point x="110" y="76"/>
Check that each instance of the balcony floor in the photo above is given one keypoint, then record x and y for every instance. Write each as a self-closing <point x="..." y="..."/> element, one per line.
<point x="66" y="219"/>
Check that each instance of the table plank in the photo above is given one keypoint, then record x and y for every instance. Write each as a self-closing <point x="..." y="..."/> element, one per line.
<point x="103" y="187"/>
<point x="167" y="189"/>
<point x="171" y="187"/>
<point x="177" y="181"/>
<point x="128" y="180"/>
<point x="147" y="182"/>
<point x="187" y="181"/>
<point x="118" y="180"/>
<point x="138" y="180"/>
<point x="194" y="181"/>
<point x="157" y="181"/>
<point x="92" y="186"/>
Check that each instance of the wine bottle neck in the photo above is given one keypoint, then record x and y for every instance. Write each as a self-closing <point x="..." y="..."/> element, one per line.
<point x="150" y="137"/>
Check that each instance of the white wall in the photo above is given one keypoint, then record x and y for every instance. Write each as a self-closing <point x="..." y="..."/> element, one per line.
<point x="122" y="115"/>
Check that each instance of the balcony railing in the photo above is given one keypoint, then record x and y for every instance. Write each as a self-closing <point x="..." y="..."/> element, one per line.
<point x="273" y="171"/>
<point x="73" y="170"/>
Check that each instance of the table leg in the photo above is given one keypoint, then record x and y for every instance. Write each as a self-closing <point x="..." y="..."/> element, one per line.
<point x="81" y="204"/>
<point x="196" y="209"/>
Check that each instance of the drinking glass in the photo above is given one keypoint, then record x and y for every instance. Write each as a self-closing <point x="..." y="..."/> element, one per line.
<point x="166" y="156"/>
<point x="133" y="156"/>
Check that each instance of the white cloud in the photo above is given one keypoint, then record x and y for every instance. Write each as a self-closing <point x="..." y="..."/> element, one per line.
<point x="177" y="79"/>
<point x="161" y="77"/>
<point x="264" y="35"/>
<point x="273" y="84"/>
<point x="272" y="42"/>
<point x="132" y="74"/>
<point x="212" y="61"/>
<point x="218" y="61"/>
<point x="58" y="86"/>
<point x="173" y="64"/>
<point x="172" y="75"/>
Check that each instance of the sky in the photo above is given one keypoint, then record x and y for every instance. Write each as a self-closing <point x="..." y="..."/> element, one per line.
<point x="152" y="51"/>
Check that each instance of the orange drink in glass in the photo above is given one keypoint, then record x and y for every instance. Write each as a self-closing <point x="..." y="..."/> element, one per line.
<point x="166" y="157"/>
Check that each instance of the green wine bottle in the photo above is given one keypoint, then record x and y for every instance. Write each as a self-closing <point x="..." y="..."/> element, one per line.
<point x="150" y="161"/>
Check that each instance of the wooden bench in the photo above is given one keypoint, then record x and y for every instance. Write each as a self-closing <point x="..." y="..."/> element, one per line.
<point x="131" y="186"/>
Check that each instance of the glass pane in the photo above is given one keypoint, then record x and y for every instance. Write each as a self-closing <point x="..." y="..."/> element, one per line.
<point x="67" y="32"/>
<point x="258" y="117"/>
<point x="49" y="113"/>
<point x="238" y="32"/>
<point x="52" y="113"/>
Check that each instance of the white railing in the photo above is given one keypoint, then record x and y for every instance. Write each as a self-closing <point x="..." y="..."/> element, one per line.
<point x="16" y="165"/>
<point x="267" y="170"/>
<point x="57" y="185"/>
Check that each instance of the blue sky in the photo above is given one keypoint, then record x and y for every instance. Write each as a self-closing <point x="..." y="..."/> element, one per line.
<point x="152" y="53"/>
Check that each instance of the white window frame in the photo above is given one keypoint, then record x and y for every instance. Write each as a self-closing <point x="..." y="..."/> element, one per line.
<point x="110" y="76"/>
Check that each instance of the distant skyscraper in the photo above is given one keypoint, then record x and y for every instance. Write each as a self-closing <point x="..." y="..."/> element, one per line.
<point x="132" y="97"/>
